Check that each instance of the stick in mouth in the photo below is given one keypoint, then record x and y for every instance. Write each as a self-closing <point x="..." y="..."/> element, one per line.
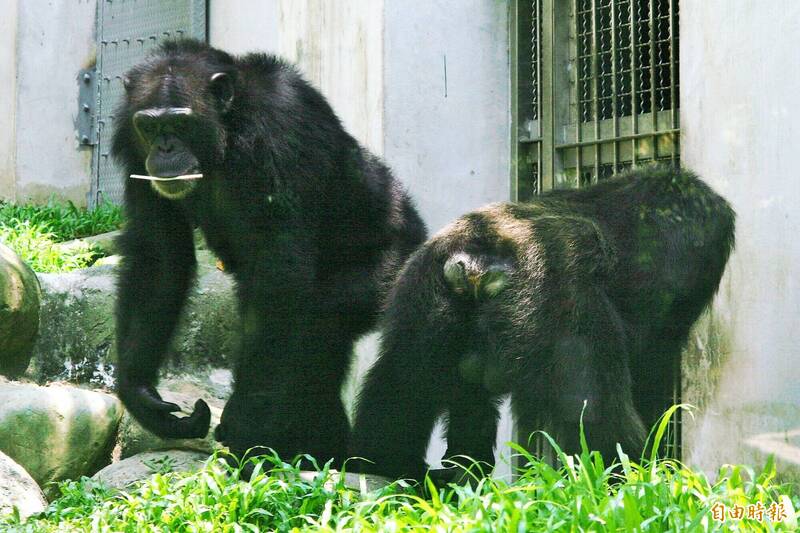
<point x="173" y="178"/>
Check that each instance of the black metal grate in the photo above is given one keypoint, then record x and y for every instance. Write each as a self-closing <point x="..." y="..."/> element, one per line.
<point x="529" y="109"/>
<point x="609" y="99"/>
<point x="626" y="89"/>
<point x="535" y="30"/>
<point x="607" y="34"/>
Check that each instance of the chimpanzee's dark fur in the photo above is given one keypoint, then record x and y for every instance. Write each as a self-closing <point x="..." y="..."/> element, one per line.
<point x="579" y="295"/>
<point x="311" y="225"/>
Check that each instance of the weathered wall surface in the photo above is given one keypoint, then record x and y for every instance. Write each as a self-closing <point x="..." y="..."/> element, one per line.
<point x="740" y="73"/>
<point x="337" y="45"/>
<point x="446" y="103"/>
<point x="382" y="66"/>
<point x="8" y="96"/>
<point x="241" y="26"/>
<point x="54" y="42"/>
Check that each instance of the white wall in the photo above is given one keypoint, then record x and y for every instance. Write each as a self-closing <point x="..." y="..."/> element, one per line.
<point x="740" y="82"/>
<point x="55" y="40"/>
<point x="240" y="26"/>
<point x="8" y="96"/>
<point x="336" y="43"/>
<point x="449" y="142"/>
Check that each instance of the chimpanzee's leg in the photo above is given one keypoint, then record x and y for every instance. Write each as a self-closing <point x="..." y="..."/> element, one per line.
<point x="293" y="360"/>
<point x="414" y="378"/>
<point x="472" y="426"/>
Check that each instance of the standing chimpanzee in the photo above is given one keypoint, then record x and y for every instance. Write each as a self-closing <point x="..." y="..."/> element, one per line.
<point x="311" y="225"/>
<point x="579" y="295"/>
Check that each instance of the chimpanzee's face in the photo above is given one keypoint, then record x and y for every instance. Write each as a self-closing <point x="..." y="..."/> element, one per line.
<point x="177" y="107"/>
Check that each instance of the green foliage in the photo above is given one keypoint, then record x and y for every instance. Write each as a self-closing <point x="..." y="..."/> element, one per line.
<point x="36" y="233"/>
<point x="64" y="221"/>
<point x="37" y="247"/>
<point x="580" y="494"/>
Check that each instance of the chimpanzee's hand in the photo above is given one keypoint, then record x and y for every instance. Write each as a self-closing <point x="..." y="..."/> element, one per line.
<point x="147" y="407"/>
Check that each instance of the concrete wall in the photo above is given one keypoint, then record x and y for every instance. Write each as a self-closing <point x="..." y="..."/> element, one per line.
<point x="55" y="40"/>
<point x="740" y="73"/>
<point x="336" y="43"/>
<point x="241" y="26"/>
<point x="446" y="103"/>
<point x="8" y="96"/>
<point x="382" y="66"/>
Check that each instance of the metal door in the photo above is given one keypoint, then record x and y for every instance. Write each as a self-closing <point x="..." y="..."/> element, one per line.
<point x="127" y="30"/>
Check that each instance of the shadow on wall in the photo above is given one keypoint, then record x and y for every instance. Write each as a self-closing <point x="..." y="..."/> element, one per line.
<point x="761" y="428"/>
<point x="703" y="360"/>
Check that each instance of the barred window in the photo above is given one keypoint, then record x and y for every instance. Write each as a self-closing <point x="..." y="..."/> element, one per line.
<point x="595" y="89"/>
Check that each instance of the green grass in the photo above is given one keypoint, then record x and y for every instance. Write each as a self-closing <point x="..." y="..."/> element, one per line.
<point x="582" y="494"/>
<point x="64" y="221"/>
<point x="36" y="233"/>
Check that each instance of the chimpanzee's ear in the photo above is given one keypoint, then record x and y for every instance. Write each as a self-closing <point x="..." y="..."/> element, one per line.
<point x="222" y="89"/>
<point x="126" y="83"/>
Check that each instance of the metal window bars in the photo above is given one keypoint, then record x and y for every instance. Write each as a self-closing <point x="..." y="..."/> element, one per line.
<point x="596" y="85"/>
<point x="595" y="88"/>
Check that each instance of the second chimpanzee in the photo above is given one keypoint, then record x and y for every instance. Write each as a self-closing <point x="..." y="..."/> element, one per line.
<point x="584" y="295"/>
<point x="311" y="225"/>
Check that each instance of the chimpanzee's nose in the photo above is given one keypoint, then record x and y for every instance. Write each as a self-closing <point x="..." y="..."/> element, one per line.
<point x="165" y="145"/>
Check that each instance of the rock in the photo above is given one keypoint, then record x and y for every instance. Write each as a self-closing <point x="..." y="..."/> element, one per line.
<point x="105" y="242"/>
<point x="77" y="328"/>
<point x="19" y="313"/>
<point x="57" y="432"/>
<point x="122" y="474"/>
<point x="112" y="260"/>
<point x="17" y="488"/>
<point x="76" y="341"/>
<point x="361" y="482"/>
<point x="214" y="388"/>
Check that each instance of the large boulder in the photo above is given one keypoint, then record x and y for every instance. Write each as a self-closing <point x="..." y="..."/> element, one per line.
<point x="76" y="341"/>
<point x="123" y="474"/>
<point x="213" y="387"/>
<point x="57" y="432"/>
<point x="17" y="488"/>
<point x="19" y="312"/>
<point x="107" y="242"/>
<point x="128" y="471"/>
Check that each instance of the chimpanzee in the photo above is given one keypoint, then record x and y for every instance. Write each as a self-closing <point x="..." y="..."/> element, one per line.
<point x="311" y="225"/>
<point x="580" y="295"/>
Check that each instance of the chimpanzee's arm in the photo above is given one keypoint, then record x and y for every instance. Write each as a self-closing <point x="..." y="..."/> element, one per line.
<point x="404" y="393"/>
<point x="156" y="272"/>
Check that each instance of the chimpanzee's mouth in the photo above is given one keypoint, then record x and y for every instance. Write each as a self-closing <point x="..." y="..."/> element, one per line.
<point x="176" y="185"/>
